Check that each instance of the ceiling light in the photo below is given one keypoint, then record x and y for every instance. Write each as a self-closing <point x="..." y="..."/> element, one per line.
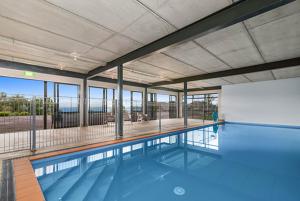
<point x="61" y="66"/>
<point x="75" y="55"/>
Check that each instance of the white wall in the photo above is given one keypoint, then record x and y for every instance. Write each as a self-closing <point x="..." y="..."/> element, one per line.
<point x="268" y="102"/>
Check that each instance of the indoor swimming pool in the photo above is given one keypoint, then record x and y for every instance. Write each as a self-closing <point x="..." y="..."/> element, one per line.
<point x="230" y="162"/>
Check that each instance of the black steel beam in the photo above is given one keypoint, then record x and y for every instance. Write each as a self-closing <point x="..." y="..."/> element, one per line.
<point x="164" y="88"/>
<point x="129" y="83"/>
<point x="232" y="14"/>
<point x="115" y="81"/>
<point x="52" y="71"/>
<point x="39" y="69"/>
<point x="237" y="71"/>
<point x="205" y="89"/>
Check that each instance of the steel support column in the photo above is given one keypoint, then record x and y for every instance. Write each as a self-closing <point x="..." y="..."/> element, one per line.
<point x="178" y="104"/>
<point x="85" y="103"/>
<point x="45" y="104"/>
<point x="146" y="101"/>
<point x="120" y="102"/>
<point x="185" y="114"/>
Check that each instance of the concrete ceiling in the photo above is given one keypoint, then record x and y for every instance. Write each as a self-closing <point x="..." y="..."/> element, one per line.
<point x="51" y="32"/>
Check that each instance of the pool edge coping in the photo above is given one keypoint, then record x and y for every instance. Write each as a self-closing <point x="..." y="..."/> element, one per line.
<point x="23" y="173"/>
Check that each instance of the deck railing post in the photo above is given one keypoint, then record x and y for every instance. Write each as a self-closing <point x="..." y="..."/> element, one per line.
<point x="159" y="124"/>
<point x="33" y="125"/>
<point x="185" y="114"/>
<point x="116" y="118"/>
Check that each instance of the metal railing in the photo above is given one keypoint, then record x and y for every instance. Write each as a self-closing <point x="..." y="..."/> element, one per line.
<point x="33" y="123"/>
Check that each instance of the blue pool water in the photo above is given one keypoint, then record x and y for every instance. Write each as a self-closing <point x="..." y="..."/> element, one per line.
<point x="231" y="162"/>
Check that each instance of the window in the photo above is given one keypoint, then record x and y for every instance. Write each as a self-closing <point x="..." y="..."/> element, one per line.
<point x="201" y="106"/>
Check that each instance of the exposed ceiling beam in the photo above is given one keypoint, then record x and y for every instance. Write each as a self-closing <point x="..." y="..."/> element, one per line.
<point x="232" y="14"/>
<point x="39" y="69"/>
<point x="52" y="71"/>
<point x="129" y="83"/>
<point x="204" y="89"/>
<point x="237" y="71"/>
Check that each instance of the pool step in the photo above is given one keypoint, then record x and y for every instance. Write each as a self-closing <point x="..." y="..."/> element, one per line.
<point x="48" y="179"/>
<point x="58" y="189"/>
<point x="78" y="190"/>
<point x="61" y="177"/>
<point x="101" y="186"/>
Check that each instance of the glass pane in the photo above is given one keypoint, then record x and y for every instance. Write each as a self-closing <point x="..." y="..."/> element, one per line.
<point x="29" y="87"/>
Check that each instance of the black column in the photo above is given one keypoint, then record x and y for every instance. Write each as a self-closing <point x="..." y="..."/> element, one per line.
<point x="185" y="115"/>
<point x="120" y="102"/>
<point x="146" y="100"/>
<point x="85" y="103"/>
<point x="45" y="105"/>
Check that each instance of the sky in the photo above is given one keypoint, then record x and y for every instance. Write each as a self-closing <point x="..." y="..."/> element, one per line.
<point x="13" y="86"/>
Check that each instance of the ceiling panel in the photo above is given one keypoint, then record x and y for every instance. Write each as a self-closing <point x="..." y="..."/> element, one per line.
<point x="120" y="44"/>
<point x="174" y="86"/>
<point x="274" y="14"/>
<point x="39" y="63"/>
<point x="53" y="61"/>
<point x="58" y="21"/>
<point x="181" y="14"/>
<point x="148" y="28"/>
<point x="132" y="76"/>
<point x="200" y="83"/>
<point x="171" y="64"/>
<point x="216" y="82"/>
<point x="113" y="14"/>
<point x="100" y="55"/>
<point x="260" y="76"/>
<point x="153" y="70"/>
<point x="285" y="73"/>
<point x="15" y="45"/>
<point x="38" y="37"/>
<point x="193" y="54"/>
<point x="279" y="39"/>
<point x="236" y="79"/>
<point x="233" y="45"/>
<point x="18" y="49"/>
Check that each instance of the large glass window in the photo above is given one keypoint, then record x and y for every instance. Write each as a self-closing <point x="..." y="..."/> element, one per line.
<point x="151" y="106"/>
<point x="166" y="103"/>
<point x="21" y="87"/>
<point x="137" y="101"/>
<point x="65" y="104"/>
<point x="172" y="106"/>
<point x="201" y="106"/>
<point x="136" y="104"/>
<point x="101" y="107"/>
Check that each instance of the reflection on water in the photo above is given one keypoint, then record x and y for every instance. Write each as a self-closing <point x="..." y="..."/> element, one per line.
<point x="206" y="138"/>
